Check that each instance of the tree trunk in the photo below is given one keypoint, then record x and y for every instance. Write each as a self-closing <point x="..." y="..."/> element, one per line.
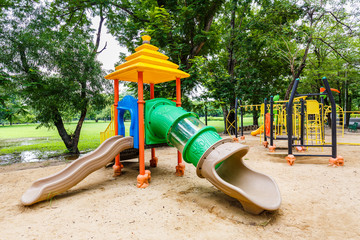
<point x="71" y="141"/>
<point x="255" y="118"/>
<point x="225" y="113"/>
<point x="66" y="138"/>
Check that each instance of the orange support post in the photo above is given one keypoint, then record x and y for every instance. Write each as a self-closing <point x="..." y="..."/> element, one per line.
<point x="117" y="166"/>
<point x="152" y="91"/>
<point x="154" y="159"/>
<point x="180" y="168"/>
<point x="144" y="176"/>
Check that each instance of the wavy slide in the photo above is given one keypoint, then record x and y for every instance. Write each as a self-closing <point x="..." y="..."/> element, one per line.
<point x="48" y="187"/>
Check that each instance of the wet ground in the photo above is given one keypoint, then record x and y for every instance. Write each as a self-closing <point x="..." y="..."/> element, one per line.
<point x="31" y="155"/>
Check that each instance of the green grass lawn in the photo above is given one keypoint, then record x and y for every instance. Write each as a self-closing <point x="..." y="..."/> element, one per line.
<point x="15" y="139"/>
<point x="48" y="139"/>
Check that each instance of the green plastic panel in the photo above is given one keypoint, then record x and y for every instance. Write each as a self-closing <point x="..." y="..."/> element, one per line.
<point x="166" y="123"/>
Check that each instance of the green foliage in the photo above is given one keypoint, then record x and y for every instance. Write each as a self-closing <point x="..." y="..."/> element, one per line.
<point x="54" y="68"/>
<point x="11" y="107"/>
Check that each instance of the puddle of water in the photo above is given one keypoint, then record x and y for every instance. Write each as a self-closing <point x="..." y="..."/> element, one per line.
<point x="36" y="156"/>
<point x="31" y="155"/>
<point x="27" y="156"/>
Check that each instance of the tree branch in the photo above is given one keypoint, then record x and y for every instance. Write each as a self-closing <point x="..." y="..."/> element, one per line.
<point x="98" y="35"/>
<point x="102" y="48"/>
<point x="207" y="25"/>
<point x="337" y="20"/>
<point x="336" y="51"/>
<point x="303" y="60"/>
<point x="129" y="12"/>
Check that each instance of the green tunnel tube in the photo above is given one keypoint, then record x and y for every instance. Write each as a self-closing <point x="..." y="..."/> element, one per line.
<point x="183" y="130"/>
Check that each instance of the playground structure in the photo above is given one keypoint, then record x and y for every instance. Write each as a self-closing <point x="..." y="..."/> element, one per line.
<point x="300" y="119"/>
<point x="334" y="160"/>
<point x="234" y="123"/>
<point x="158" y="121"/>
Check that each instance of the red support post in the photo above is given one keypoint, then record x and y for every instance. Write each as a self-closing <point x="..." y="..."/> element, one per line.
<point x="180" y="168"/>
<point x="152" y="90"/>
<point x="144" y="176"/>
<point x="154" y="159"/>
<point x="117" y="166"/>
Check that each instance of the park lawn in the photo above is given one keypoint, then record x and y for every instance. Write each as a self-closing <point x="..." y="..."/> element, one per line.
<point x="11" y="137"/>
<point x="49" y="139"/>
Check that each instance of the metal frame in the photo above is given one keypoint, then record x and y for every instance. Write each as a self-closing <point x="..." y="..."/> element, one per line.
<point x="333" y="119"/>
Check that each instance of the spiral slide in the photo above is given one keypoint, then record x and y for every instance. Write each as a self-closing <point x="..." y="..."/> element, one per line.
<point x="48" y="187"/>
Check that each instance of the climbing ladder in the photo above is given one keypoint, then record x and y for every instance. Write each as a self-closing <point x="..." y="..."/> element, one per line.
<point x="110" y="129"/>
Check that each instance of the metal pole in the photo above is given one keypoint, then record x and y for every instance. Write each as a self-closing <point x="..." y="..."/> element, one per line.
<point x="289" y="115"/>
<point x="236" y="106"/>
<point x="242" y="119"/>
<point x="302" y="114"/>
<point x="333" y="116"/>
<point x="322" y="118"/>
<point x="271" y="121"/>
<point x="265" y="109"/>
<point x="205" y="115"/>
<point x="345" y="106"/>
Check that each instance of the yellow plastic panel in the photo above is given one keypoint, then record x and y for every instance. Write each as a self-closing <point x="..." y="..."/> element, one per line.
<point x="312" y="107"/>
<point x="147" y="52"/>
<point x="146" y="46"/>
<point x="150" y="60"/>
<point x="152" y="73"/>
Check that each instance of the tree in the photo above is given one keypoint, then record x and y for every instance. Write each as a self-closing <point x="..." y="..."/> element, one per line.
<point x="245" y="66"/>
<point x="182" y="30"/>
<point x="11" y="107"/>
<point x="54" y="67"/>
<point x="319" y="21"/>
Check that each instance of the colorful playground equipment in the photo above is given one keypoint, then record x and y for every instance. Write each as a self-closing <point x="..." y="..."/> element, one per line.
<point x="159" y="120"/>
<point x="304" y="123"/>
<point x="334" y="160"/>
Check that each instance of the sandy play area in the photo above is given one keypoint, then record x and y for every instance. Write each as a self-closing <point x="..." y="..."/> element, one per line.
<point x="318" y="202"/>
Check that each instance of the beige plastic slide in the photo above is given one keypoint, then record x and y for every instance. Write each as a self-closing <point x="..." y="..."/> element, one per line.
<point x="48" y="187"/>
<point x="255" y="191"/>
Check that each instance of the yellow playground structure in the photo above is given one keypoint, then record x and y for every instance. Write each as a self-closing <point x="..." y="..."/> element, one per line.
<point x="315" y="120"/>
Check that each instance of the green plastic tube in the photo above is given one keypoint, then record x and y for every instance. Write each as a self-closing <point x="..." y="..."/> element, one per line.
<point x="181" y="129"/>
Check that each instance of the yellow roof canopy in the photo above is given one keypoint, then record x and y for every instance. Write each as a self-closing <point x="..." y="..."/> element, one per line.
<point x="154" y="65"/>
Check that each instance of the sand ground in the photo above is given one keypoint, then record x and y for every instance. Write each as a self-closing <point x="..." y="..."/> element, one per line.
<point x="318" y="202"/>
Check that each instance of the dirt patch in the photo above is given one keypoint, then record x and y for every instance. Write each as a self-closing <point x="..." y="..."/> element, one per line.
<point x="318" y="202"/>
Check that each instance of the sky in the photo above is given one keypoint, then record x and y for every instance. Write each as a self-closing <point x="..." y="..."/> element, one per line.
<point x="111" y="54"/>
